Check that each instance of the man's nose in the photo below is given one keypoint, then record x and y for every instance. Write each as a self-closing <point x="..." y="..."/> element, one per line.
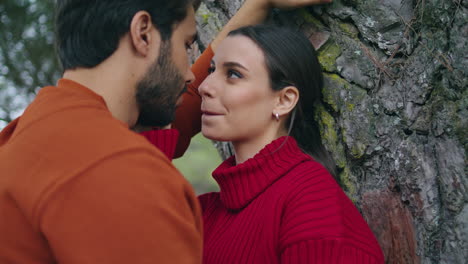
<point x="190" y="77"/>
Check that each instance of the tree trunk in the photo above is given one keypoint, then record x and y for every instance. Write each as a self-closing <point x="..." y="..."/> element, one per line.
<point x="393" y="114"/>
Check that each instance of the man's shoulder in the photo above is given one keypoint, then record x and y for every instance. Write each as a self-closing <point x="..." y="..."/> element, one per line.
<point x="76" y="123"/>
<point x="76" y="138"/>
<point x="51" y="150"/>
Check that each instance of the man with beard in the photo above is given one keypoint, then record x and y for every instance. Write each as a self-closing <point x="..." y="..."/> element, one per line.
<point x="155" y="95"/>
<point x="76" y="184"/>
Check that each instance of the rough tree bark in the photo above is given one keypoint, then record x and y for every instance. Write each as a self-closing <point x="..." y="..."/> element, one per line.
<point x="393" y="114"/>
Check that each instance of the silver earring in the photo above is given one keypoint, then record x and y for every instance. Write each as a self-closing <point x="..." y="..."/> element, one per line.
<point x="277" y="116"/>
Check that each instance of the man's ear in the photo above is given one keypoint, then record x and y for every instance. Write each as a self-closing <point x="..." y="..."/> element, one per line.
<point x="142" y="33"/>
<point x="287" y="100"/>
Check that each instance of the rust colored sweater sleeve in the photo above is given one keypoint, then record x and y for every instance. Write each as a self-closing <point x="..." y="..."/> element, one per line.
<point x="148" y="215"/>
<point x="188" y="115"/>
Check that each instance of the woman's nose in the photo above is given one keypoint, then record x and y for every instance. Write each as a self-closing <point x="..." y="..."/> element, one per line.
<point x="206" y="87"/>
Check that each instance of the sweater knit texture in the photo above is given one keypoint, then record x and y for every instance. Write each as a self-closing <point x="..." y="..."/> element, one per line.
<point x="281" y="206"/>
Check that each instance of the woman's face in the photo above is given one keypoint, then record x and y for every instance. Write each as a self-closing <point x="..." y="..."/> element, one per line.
<point x="237" y="100"/>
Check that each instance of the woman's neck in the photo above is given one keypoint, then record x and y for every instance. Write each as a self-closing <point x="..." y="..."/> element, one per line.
<point x="246" y="149"/>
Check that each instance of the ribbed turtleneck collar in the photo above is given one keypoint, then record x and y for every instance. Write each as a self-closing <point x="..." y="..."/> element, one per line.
<point x="242" y="183"/>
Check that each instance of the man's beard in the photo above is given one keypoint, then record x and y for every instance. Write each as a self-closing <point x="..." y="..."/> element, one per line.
<point x="157" y="93"/>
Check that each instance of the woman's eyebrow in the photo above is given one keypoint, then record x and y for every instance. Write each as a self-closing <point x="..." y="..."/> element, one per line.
<point x="231" y="64"/>
<point x="234" y="64"/>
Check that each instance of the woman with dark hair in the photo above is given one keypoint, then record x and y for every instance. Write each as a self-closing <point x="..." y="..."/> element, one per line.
<point x="278" y="201"/>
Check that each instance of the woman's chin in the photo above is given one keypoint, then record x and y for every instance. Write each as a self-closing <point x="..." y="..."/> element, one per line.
<point x="213" y="136"/>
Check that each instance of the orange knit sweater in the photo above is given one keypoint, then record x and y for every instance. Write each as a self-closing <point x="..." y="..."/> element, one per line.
<point x="77" y="186"/>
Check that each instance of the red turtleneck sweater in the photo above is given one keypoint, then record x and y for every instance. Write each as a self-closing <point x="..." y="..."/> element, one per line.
<point x="278" y="207"/>
<point x="281" y="206"/>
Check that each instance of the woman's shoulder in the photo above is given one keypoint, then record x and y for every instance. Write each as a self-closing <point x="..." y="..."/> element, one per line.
<point x="310" y="181"/>
<point x="310" y="175"/>
<point x="306" y="184"/>
<point x="317" y="209"/>
<point x="208" y="200"/>
<point x="314" y="198"/>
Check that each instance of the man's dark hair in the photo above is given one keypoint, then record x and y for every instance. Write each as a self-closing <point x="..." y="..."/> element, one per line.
<point x="89" y="31"/>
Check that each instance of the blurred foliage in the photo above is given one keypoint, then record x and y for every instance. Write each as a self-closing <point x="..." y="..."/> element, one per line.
<point x="198" y="164"/>
<point x="28" y="62"/>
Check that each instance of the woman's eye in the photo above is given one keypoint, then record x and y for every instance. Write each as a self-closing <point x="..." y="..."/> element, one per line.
<point x="211" y="69"/>
<point x="234" y="74"/>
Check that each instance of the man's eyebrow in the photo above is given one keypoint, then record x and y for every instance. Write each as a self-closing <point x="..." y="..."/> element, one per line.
<point x="194" y="38"/>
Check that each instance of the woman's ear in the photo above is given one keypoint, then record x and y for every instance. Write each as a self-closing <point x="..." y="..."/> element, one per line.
<point x="142" y="33"/>
<point x="287" y="100"/>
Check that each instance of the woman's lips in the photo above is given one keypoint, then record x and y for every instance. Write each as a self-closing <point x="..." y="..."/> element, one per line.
<point x="210" y="113"/>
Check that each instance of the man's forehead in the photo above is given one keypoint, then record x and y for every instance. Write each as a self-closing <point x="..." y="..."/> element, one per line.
<point x="194" y="36"/>
<point x="191" y="20"/>
<point x="189" y="24"/>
